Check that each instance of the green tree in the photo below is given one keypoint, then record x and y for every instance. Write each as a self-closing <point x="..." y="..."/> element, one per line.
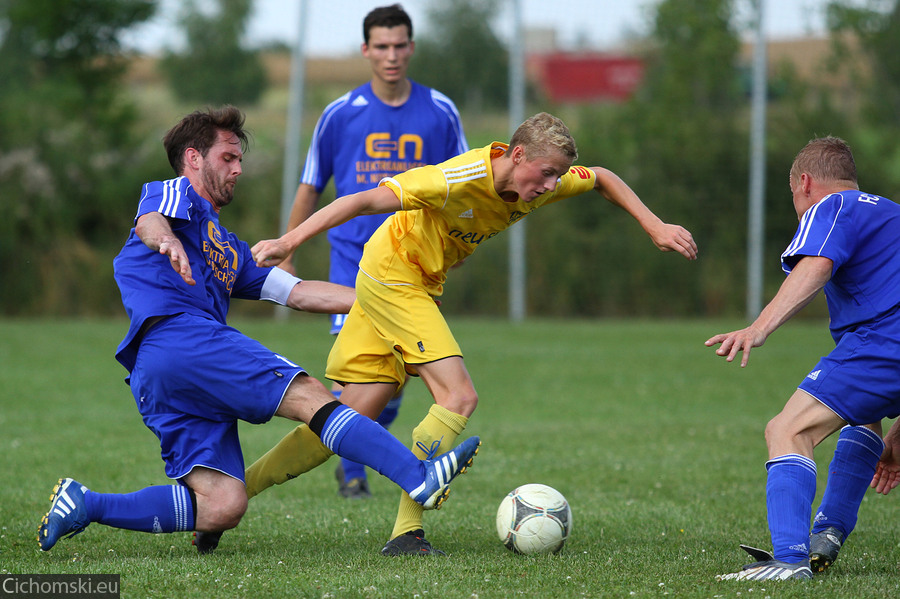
<point x="876" y="28"/>
<point x="681" y="143"/>
<point x="66" y="151"/>
<point x="216" y="68"/>
<point x="461" y="56"/>
<point x="872" y="33"/>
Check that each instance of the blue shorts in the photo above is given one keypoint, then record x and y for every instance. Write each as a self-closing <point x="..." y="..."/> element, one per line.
<point x="860" y="379"/>
<point x="344" y="266"/>
<point x="194" y="379"/>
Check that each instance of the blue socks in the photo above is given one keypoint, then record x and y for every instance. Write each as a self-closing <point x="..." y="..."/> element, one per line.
<point x="153" y="509"/>
<point x="849" y="474"/>
<point x="386" y="418"/>
<point x="790" y="490"/>
<point x="349" y="434"/>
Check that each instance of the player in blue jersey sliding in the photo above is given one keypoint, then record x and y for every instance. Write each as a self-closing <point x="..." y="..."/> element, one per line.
<point x="380" y="129"/>
<point x="848" y="243"/>
<point x="193" y="377"/>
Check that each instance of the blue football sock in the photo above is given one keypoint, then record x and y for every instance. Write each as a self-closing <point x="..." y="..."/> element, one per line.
<point x="349" y="434"/>
<point x="153" y="509"/>
<point x="386" y="418"/>
<point x="790" y="489"/>
<point x="351" y="469"/>
<point x="849" y="474"/>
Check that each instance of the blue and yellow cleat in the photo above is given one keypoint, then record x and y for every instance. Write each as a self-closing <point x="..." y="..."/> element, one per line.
<point x="440" y="472"/>
<point x="67" y="516"/>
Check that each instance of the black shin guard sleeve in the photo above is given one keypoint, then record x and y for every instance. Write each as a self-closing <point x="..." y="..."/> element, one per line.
<point x="317" y="422"/>
<point x="193" y="507"/>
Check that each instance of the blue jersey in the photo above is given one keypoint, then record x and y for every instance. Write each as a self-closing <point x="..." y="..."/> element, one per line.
<point x="359" y="140"/>
<point x="221" y="264"/>
<point x="860" y="233"/>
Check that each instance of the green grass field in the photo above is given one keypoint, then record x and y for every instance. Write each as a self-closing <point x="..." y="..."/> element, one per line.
<point x="655" y="441"/>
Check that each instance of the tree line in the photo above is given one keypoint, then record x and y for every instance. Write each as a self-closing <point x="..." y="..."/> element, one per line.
<point x="74" y="149"/>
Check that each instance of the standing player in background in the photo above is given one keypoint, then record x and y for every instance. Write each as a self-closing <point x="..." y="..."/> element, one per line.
<point x="848" y="243"/>
<point x="384" y="127"/>
<point x="446" y="211"/>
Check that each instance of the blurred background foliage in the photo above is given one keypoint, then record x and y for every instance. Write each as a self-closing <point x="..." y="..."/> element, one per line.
<point x="215" y="67"/>
<point x="80" y="131"/>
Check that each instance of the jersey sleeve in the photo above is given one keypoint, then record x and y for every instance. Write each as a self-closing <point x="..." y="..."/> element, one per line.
<point x="169" y="198"/>
<point x="577" y="180"/>
<point x="319" y="166"/>
<point x="423" y="187"/>
<point x="455" y="138"/>
<point x="825" y="230"/>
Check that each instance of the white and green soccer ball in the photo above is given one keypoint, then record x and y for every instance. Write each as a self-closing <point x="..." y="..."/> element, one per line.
<point x="534" y="518"/>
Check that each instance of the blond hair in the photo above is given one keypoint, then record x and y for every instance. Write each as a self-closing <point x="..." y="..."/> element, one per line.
<point x="543" y="133"/>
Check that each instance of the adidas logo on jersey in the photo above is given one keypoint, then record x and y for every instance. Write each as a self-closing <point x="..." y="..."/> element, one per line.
<point x="359" y="101"/>
<point x="467" y="214"/>
<point x="813" y="375"/>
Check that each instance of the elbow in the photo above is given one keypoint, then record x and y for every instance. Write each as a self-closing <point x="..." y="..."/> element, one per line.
<point x="140" y="227"/>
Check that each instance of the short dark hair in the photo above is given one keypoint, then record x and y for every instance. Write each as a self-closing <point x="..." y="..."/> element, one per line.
<point x="199" y="129"/>
<point x="386" y="16"/>
<point x="827" y="159"/>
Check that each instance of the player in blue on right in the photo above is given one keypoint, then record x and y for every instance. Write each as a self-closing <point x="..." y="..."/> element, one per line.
<point x="848" y="243"/>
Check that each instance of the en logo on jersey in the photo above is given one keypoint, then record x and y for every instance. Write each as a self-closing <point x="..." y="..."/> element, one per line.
<point x="381" y="146"/>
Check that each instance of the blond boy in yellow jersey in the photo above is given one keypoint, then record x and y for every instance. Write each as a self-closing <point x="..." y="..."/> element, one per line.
<point x="443" y="213"/>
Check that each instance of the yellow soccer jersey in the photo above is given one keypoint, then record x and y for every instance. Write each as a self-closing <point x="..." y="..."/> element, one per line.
<point x="447" y="211"/>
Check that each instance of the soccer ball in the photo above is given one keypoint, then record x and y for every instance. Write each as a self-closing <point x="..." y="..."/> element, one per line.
<point x="534" y="518"/>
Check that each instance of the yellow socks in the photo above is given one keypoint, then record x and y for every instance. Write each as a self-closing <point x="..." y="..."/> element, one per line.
<point x="440" y="424"/>
<point x="298" y="452"/>
<point x="301" y="450"/>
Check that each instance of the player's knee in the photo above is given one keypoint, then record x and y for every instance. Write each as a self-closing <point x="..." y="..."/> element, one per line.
<point x="220" y="499"/>
<point x="778" y="430"/>
<point x="226" y="510"/>
<point x="308" y="386"/>
<point x="460" y="401"/>
<point x="470" y="402"/>
<point x="303" y="397"/>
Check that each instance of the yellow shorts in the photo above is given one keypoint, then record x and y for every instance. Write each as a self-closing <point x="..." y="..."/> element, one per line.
<point x="389" y="330"/>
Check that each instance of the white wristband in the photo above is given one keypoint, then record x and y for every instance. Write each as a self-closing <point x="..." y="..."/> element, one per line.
<point x="277" y="286"/>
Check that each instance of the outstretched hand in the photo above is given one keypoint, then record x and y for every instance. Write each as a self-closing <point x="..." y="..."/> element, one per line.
<point x="269" y="252"/>
<point x="675" y="238"/>
<point x="887" y="472"/>
<point x="737" y="341"/>
<point x="177" y="258"/>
